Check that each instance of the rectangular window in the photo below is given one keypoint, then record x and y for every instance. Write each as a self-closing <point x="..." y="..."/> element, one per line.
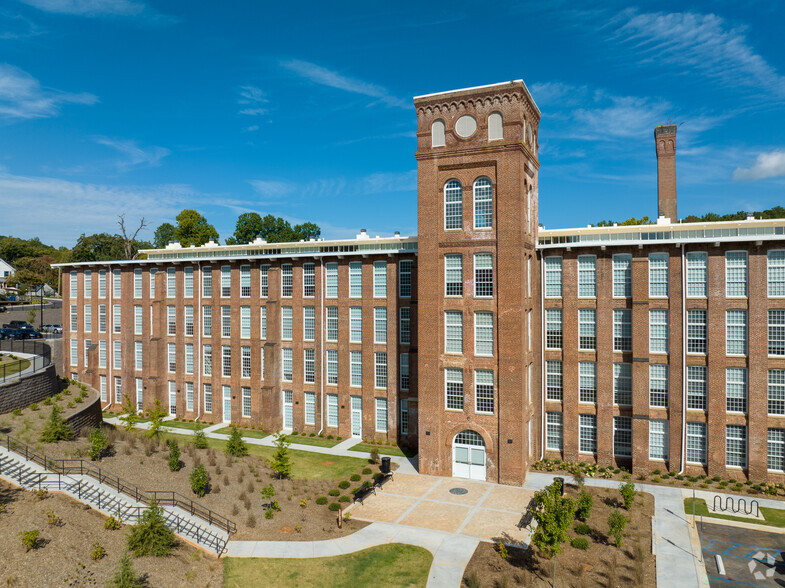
<point x="172" y="357"/>
<point x="658" y="275"/>
<point x="776" y="450"/>
<point x="483" y="391"/>
<point x="622" y="329"/>
<point x="587" y="276"/>
<point x="587" y="329"/>
<point x="88" y="318"/>
<point x="116" y="283"/>
<point x="207" y="321"/>
<point x="104" y="397"/>
<point x="189" y="396"/>
<point x="73" y="290"/>
<point x="696" y="387"/>
<point x="404" y="404"/>
<point x="483" y="333"/>
<point x="356" y="369"/>
<point x="207" y="282"/>
<point x="332" y="323"/>
<point x="310" y="366"/>
<point x="380" y="325"/>
<point x="286" y="364"/>
<point x="381" y="415"/>
<point x="736" y="389"/>
<point x="380" y="279"/>
<point x="658" y="331"/>
<point x="405" y="278"/>
<point x="264" y="283"/>
<point x="736" y="332"/>
<point x="208" y="398"/>
<point x="189" y="320"/>
<point x="286" y="280"/>
<point x="188" y="283"/>
<point x="658" y="439"/>
<point x="380" y="363"/>
<point x="696" y="331"/>
<point x="483" y="275"/>
<point x="331" y="280"/>
<point x="102" y="354"/>
<point x="453" y="331"/>
<point x="554" y="333"/>
<point x="332" y="366"/>
<point x="554" y="426"/>
<point x="116" y="318"/>
<point x="87" y="344"/>
<point x="226" y="361"/>
<point x="775" y="272"/>
<point x="88" y="284"/>
<point x="776" y="392"/>
<point x="404" y="327"/>
<point x="189" y="358"/>
<point x="736" y="446"/>
<point x="622" y="384"/>
<point x="138" y="320"/>
<point x="118" y="355"/>
<point x="777" y="332"/>
<point x="403" y="369"/>
<point x="245" y="361"/>
<point x="483" y="204"/>
<point x="171" y="320"/>
<point x="355" y="324"/>
<point x="587" y="433"/>
<point x="226" y="321"/>
<point x="74" y="352"/>
<point x="138" y="283"/>
<point x="286" y="323"/>
<point x="226" y="281"/>
<point x="587" y="382"/>
<point x="622" y="276"/>
<point x="554" y="380"/>
<point x="118" y="390"/>
<point x="332" y="410"/>
<point x="138" y="355"/>
<point x="355" y="279"/>
<point x="453" y="274"/>
<point x="735" y="274"/>
<point x="207" y="360"/>
<point x="171" y="282"/>
<point x="622" y="436"/>
<point x="102" y="318"/>
<point x="697" y="274"/>
<point x="310" y="408"/>
<point x="74" y="319"/>
<point x="139" y="395"/>
<point x="246" y="393"/>
<point x="453" y="381"/>
<point x="658" y="385"/>
<point x="102" y="283"/>
<point x="245" y="281"/>
<point x="309" y="280"/>
<point x="553" y="277"/>
<point x="309" y="323"/>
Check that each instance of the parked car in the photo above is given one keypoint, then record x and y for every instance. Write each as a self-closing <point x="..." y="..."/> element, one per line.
<point x="55" y="329"/>
<point x="31" y="334"/>
<point x="6" y="333"/>
<point x="18" y="325"/>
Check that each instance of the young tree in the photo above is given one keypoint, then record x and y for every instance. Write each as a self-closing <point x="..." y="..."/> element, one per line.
<point x="56" y="429"/>
<point x="236" y="445"/>
<point x="163" y="234"/>
<point x="554" y="514"/>
<point x="156" y="416"/>
<point x="200" y="439"/>
<point x="131" y="413"/>
<point x="627" y="490"/>
<point x="151" y="536"/>
<point x="174" y="455"/>
<point x="281" y="464"/>
<point x="585" y="502"/>
<point x="617" y="522"/>
<point x="98" y="444"/>
<point x="199" y="480"/>
<point x="193" y="229"/>
<point x="125" y="576"/>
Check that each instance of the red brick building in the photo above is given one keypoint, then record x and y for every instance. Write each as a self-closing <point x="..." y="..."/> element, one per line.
<point x="485" y="342"/>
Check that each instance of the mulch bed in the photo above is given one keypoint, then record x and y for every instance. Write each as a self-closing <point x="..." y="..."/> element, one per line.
<point x="603" y="564"/>
<point x="63" y="557"/>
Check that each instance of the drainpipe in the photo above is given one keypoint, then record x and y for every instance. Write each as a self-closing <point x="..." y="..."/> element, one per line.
<point x="198" y="350"/>
<point x="542" y="356"/>
<point x="683" y="459"/>
<point x="321" y="343"/>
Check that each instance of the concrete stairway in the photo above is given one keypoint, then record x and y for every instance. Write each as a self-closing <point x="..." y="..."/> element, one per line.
<point x="86" y="489"/>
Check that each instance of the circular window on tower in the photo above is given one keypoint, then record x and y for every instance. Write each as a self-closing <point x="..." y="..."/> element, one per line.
<point x="465" y="126"/>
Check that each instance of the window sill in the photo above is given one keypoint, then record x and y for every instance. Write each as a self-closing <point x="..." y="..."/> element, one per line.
<point x="457" y="410"/>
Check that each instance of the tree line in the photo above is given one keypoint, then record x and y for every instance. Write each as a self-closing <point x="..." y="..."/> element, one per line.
<point x="709" y="217"/>
<point x="32" y="259"/>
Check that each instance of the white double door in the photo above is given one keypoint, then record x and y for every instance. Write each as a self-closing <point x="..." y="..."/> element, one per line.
<point x="357" y="416"/>
<point x="288" y="410"/>
<point x="468" y="460"/>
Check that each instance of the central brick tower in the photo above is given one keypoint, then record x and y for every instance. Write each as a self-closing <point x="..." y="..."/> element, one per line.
<point x="478" y="281"/>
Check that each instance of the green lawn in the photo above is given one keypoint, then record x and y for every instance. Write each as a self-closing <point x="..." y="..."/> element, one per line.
<point x="306" y="465"/>
<point x="775" y="517"/>
<point x="9" y="367"/>
<point x="184" y="425"/>
<point x="254" y="433"/>
<point x="319" y="441"/>
<point x="394" y="565"/>
<point x="384" y="449"/>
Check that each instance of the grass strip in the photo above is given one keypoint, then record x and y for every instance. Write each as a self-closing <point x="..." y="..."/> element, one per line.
<point x="775" y="517"/>
<point x="384" y="449"/>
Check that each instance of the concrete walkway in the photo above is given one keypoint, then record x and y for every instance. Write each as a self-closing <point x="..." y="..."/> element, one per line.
<point x="451" y="553"/>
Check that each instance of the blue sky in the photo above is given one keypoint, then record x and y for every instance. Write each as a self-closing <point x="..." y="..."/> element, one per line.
<point x="304" y="110"/>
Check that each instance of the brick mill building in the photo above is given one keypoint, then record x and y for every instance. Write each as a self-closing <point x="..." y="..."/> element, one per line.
<point x="486" y="342"/>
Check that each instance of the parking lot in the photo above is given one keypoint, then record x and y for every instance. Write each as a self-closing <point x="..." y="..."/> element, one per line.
<point x="750" y="558"/>
<point x="52" y="315"/>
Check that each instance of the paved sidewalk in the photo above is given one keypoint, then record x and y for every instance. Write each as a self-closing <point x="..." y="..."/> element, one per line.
<point x="451" y="553"/>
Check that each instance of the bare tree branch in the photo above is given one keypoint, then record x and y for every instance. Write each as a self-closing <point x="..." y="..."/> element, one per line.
<point x="128" y="242"/>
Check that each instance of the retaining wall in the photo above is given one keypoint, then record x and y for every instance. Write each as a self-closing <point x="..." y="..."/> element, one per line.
<point x="32" y="388"/>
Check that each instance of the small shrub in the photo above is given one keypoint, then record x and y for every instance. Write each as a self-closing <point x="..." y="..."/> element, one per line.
<point x="628" y="493"/>
<point x="582" y="529"/>
<point x="56" y="429"/>
<point x="29" y="539"/>
<point x="366" y="471"/>
<point x="199" y="480"/>
<point x="343" y="485"/>
<point x="275" y="506"/>
<point x="583" y="506"/>
<point x="334" y="492"/>
<point x="344" y="498"/>
<point x="151" y="536"/>
<point x="268" y="514"/>
<point x="125" y="576"/>
<point x="41" y="493"/>
<point x="53" y="519"/>
<point x="281" y="463"/>
<point x="321" y="500"/>
<point x="580" y="543"/>
<point x="472" y="580"/>
<point x="34" y="406"/>
<point x="70" y="404"/>
<point x="374" y="458"/>
<point x="268" y="492"/>
<point x="47" y="401"/>
<point x="200" y="441"/>
<point x="236" y="445"/>
<point x="112" y="524"/>
<point x="312" y="435"/>
<point x="174" y="455"/>
<point x="98" y="552"/>
<point x="502" y="549"/>
<point x="98" y="444"/>
<point x="339" y="438"/>
<point x="616" y="525"/>
<point x="17" y="412"/>
<point x="329" y="436"/>
<point x="355" y="477"/>
<point x="334" y="506"/>
<point x="303" y="502"/>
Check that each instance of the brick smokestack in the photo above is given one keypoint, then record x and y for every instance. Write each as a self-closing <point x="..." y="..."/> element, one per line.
<point x="665" y="139"/>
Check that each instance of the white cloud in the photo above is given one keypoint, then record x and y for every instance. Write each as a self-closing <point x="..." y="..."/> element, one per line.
<point x="135" y="156"/>
<point x="699" y="42"/>
<point x="767" y="165"/>
<point x="325" y="77"/>
<point x="272" y="189"/>
<point x="252" y="99"/>
<point x="22" y="97"/>
<point x="90" y="7"/>
<point x="16" y="26"/>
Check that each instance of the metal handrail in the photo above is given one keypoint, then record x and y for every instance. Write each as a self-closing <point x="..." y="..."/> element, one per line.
<point x="85" y="468"/>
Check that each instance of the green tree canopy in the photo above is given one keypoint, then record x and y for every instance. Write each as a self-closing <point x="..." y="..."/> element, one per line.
<point x="193" y="229"/>
<point x="13" y="248"/>
<point x="272" y="229"/>
<point x="163" y="234"/>
<point x="31" y="272"/>
<point x="709" y="217"/>
<point x="98" y="247"/>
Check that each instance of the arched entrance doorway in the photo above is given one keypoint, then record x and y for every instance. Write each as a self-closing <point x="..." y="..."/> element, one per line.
<point x="468" y="456"/>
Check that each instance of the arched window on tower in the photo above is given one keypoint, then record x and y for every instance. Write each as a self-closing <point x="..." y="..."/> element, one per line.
<point x="483" y="203"/>
<point x="437" y="133"/>
<point x="453" y="205"/>
<point x="495" y="127"/>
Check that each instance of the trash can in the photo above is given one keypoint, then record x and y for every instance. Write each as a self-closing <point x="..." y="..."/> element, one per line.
<point x="385" y="467"/>
<point x="560" y="481"/>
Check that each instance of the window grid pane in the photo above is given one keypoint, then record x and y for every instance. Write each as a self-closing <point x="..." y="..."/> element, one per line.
<point x="380" y="364"/>
<point x="736" y="273"/>
<point x="554" y="334"/>
<point x="453" y="380"/>
<point x="453" y="331"/>
<point x="405" y="328"/>
<point x="736" y="332"/>
<point x="553" y="431"/>
<point x="309" y="279"/>
<point x="696" y="443"/>
<point x="776" y="392"/>
<point x="622" y="384"/>
<point x="379" y="279"/>
<point x="483" y="204"/>
<point x="405" y="278"/>
<point x="355" y="324"/>
<point x="622" y="436"/>
<point x="697" y="274"/>
<point x="622" y="276"/>
<point x="332" y="366"/>
<point x="245" y="281"/>
<point x="776" y="450"/>
<point x="658" y="439"/>
<point x="736" y="389"/>
<point x="658" y="331"/>
<point x="587" y="329"/>
<point x="658" y="275"/>
<point x="483" y="275"/>
<point x="587" y="433"/>
<point x="658" y="385"/>
<point x="696" y="331"/>
<point x="453" y="205"/>
<point x="483" y="333"/>
<point x="696" y="387"/>
<point x="286" y="280"/>
<point x="332" y="323"/>
<point x="622" y="329"/>
<point x="483" y="391"/>
<point x="777" y="332"/>
<point x="453" y="275"/>
<point x="736" y="445"/>
<point x="775" y="266"/>
<point x="380" y="325"/>
<point x="587" y="276"/>
<point x="331" y="280"/>
<point x="264" y="284"/>
<point x="355" y="279"/>
<point x="553" y="277"/>
<point x="587" y="382"/>
<point x="554" y="380"/>
<point x="309" y="323"/>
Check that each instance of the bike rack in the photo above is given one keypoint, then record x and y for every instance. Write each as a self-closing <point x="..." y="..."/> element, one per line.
<point x="736" y="506"/>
